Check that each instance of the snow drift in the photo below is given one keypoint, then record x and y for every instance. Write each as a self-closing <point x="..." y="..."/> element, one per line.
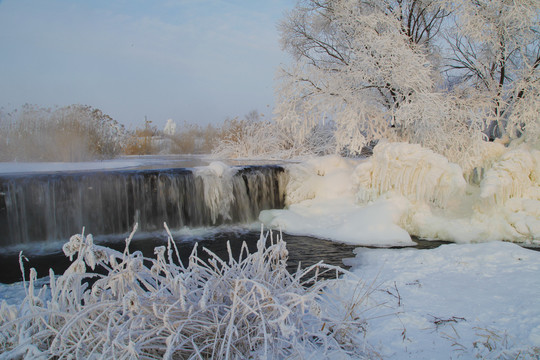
<point x="404" y="189"/>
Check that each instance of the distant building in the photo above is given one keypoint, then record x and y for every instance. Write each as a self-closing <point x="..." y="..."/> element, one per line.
<point x="170" y="128"/>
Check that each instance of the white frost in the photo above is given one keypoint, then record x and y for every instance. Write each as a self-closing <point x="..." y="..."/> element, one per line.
<point x="516" y="174"/>
<point x="170" y="127"/>
<point x="218" y="188"/>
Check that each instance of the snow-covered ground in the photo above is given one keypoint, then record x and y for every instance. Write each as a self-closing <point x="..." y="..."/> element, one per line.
<point x="455" y="301"/>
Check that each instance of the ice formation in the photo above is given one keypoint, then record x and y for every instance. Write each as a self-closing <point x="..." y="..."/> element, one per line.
<point x="406" y="189"/>
<point x="411" y="171"/>
<point x="218" y="188"/>
<point x="321" y="202"/>
<point x="515" y="175"/>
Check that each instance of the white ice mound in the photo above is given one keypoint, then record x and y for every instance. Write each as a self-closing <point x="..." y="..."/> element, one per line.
<point x="321" y="203"/>
<point x="515" y="175"/>
<point x="411" y="171"/>
<point x="323" y="177"/>
<point x="510" y="193"/>
<point x="407" y="189"/>
<point x="218" y="168"/>
<point x="341" y="220"/>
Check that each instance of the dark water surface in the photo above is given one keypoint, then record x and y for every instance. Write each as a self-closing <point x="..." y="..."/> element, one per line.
<point x="302" y="250"/>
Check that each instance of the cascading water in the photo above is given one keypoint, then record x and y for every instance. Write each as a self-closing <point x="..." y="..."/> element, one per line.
<point x="48" y="207"/>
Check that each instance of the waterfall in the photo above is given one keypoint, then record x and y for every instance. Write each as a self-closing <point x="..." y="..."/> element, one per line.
<point x="48" y="207"/>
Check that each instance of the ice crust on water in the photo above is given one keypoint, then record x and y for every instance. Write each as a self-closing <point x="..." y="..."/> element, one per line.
<point x="406" y="189"/>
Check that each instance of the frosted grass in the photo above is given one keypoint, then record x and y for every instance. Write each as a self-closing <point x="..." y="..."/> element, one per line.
<point x="111" y="304"/>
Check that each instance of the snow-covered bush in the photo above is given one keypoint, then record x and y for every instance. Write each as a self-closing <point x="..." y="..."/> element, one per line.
<point x="269" y="140"/>
<point x="137" y="307"/>
<point x="447" y="125"/>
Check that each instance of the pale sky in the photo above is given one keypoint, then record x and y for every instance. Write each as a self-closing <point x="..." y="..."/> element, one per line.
<point x="198" y="61"/>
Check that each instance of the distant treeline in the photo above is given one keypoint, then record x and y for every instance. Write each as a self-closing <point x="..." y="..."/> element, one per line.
<point x="81" y="132"/>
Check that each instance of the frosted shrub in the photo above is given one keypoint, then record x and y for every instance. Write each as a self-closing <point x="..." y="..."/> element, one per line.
<point x="447" y="125"/>
<point x="269" y="140"/>
<point x="160" y="308"/>
<point x="247" y="139"/>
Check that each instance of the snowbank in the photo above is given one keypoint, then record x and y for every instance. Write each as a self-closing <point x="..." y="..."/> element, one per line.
<point x="457" y="301"/>
<point x="406" y="189"/>
<point x="344" y="221"/>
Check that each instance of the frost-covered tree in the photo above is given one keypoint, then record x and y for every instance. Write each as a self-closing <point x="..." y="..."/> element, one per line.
<point x="170" y="128"/>
<point x="494" y="51"/>
<point x="357" y="62"/>
<point x="440" y="73"/>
